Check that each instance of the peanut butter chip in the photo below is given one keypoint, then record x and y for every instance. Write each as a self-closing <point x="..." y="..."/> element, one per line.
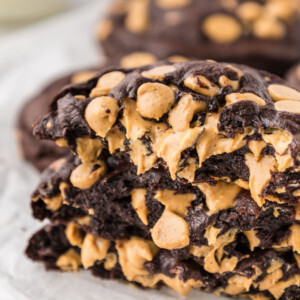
<point x="83" y="76"/>
<point x="62" y="142"/>
<point x="188" y="172"/>
<point x="63" y="187"/>
<point x="84" y="220"/>
<point x="137" y="59"/>
<point x="93" y="249"/>
<point x="296" y="193"/>
<point x="170" y="145"/>
<point x="101" y="114"/>
<point x="224" y="81"/>
<point x="69" y="261"/>
<point x="238" y="284"/>
<point x="138" y="200"/>
<point x="279" y="288"/>
<point x="176" y="203"/>
<point x="183" y="113"/>
<point x="141" y="156"/>
<point x="106" y="83"/>
<point x="135" y="125"/>
<point x="171" y="4"/>
<point x="236" y="97"/>
<point x="222" y="28"/>
<point x="211" y="142"/>
<point x="133" y="254"/>
<point x="217" y="243"/>
<point x="110" y="261"/>
<point x="115" y="139"/>
<point x="87" y="174"/>
<point x="137" y="18"/>
<point x="253" y="240"/>
<point x="49" y="125"/>
<point x="201" y="85"/>
<point x="238" y="72"/>
<point x="268" y="27"/>
<point x="260" y="175"/>
<point x="294" y="238"/>
<point x="282" y="9"/>
<point x="154" y="100"/>
<point x="54" y="203"/>
<point x="242" y="183"/>
<point x="73" y="234"/>
<point x="280" y="139"/>
<point x="199" y="251"/>
<point x="249" y="11"/>
<point x="281" y="92"/>
<point x="256" y="147"/>
<point x="220" y="196"/>
<point x="158" y="72"/>
<point x="171" y="232"/>
<point x="274" y="265"/>
<point x="88" y="149"/>
<point x="288" y="106"/>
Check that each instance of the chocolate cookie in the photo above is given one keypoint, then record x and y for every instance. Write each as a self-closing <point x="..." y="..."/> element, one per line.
<point x="149" y="109"/>
<point x="262" y="34"/>
<point x="185" y="175"/>
<point x="293" y="77"/>
<point x="139" y="261"/>
<point x="41" y="153"/>
<point x="123" y="214"/>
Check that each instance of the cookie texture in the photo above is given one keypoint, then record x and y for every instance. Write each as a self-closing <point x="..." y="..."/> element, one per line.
<point x="262" y="34"/>
<point x="41" y="153"/>
<point x="184" y="174"/>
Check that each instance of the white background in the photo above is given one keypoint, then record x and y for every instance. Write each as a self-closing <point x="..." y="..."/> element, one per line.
<point x="29" y="58"/>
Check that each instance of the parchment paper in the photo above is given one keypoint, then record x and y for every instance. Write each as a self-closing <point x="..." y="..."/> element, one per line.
<point x="28" y="60"/>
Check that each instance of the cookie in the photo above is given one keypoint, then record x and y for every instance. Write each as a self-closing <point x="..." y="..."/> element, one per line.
<point x="262" y="34"/>
<point x="139" y="261"/>
<point x="41" y="153"/>
<point x="149" y="211"/>
<point x="225" y="117"/>
<point x="192" y="167"/>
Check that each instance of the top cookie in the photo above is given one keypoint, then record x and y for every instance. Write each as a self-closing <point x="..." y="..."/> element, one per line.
<point x="203" y="121"/>
<point x="263" y="34"/>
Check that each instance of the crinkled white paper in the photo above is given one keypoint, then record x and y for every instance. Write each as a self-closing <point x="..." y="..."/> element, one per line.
<point x="28" y="60"/>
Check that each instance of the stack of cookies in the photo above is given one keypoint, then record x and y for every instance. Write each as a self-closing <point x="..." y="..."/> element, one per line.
<point x="182" y="174"/>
